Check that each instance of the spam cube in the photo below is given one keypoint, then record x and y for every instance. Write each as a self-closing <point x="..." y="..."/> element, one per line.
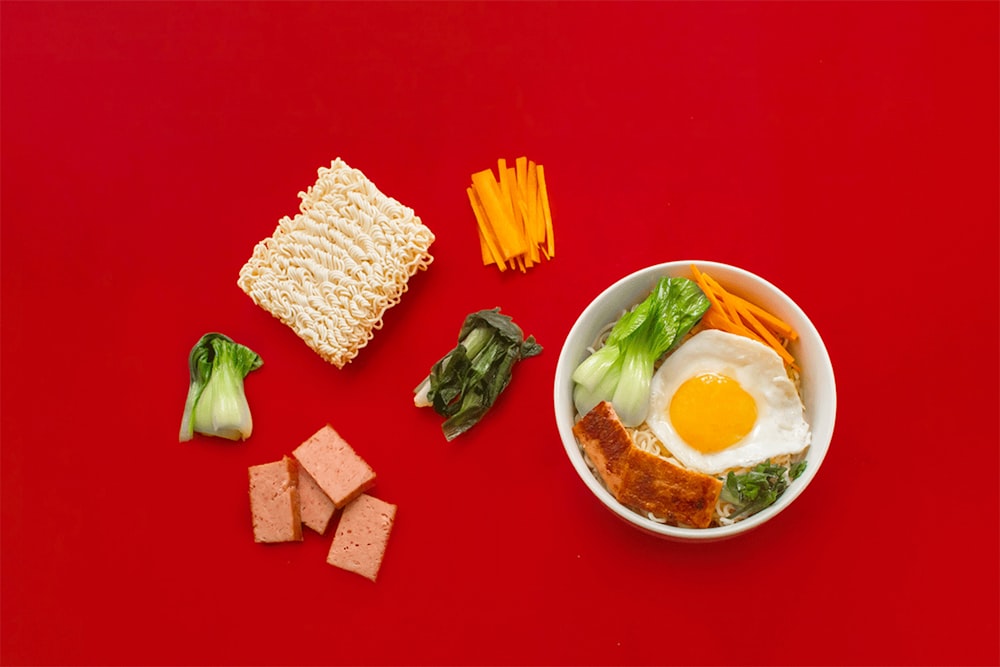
<point x="274" y="501"/>
<point x="362" y="534"/>
<point x="335" y="466"/>
<point x="315" y="506"/>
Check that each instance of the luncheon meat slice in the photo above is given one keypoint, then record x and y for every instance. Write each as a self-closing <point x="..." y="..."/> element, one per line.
<point x="315" y="506"/>
<point x="681" y="497"/>
<point x="274" y="501"/>
<point x="336" y="467"/>
<point x="606" y="443"/>
<point x="362" y="534"/>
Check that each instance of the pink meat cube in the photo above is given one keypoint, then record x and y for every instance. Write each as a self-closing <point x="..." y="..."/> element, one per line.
<point x="361" y="537"/>
<point x="335" y="466"/>
<point x="315" y="506"/>
<point x="274" y="501"/>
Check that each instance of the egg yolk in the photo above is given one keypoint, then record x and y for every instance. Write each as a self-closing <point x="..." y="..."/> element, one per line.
<point x="712" y="412"/>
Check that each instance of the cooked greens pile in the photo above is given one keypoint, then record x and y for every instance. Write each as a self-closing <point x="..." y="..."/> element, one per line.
<point x="758" y="488"/>
<point x="622" y="369"/>
<point x="216" y="402"/>
<point x="463" y="385"/>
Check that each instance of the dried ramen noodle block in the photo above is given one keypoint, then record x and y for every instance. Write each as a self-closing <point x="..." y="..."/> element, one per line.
<point x="331" y="271"/>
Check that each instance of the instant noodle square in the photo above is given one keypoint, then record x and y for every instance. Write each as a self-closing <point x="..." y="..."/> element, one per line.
<point x="331" y="271"/>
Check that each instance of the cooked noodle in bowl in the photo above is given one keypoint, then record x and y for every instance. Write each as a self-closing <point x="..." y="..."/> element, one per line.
<point x="805" y="406"/>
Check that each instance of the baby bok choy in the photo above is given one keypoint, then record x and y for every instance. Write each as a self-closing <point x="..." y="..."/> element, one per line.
<point x="216" y="402"/>
<point x="621" y="370"/>
<point x="463" y="385"/>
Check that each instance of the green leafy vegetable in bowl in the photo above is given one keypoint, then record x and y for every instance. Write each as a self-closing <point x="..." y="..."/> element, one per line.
<point x="621" y="370"/>
<point x="759" y="487"/>
<point x="464" y="384"/>
<point x="216" y="401"/>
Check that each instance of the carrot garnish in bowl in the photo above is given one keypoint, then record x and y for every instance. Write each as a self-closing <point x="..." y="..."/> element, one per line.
<point x="735" y="314"/>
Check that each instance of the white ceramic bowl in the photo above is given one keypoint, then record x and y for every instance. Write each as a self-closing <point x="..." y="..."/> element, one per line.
<point x="819" y="392"/>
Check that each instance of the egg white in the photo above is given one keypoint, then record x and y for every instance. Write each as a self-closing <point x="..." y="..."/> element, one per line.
<point x="780" y="428"/>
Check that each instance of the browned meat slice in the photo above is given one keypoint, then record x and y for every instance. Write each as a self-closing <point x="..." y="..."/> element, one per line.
<point x="681" y="496"/>
<point x="642" y="481"/>
<point x="606" y="443"/>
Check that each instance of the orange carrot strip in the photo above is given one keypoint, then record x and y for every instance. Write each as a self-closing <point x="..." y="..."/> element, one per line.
<point x="523" y="226"/>
<point x="487" y="240"/>
<point x="532" y="198"/>
<point x="550" y="242"/>
<point x="506" y="196"/>
<point x="766" y="335"/>
<point x="714" y="320"/>
<point x="521" y="172"/>
<point x="521" y="169"/>
<point x="773" y="322"/>
<point x="699" y="278"/>
<point x="523" y="205"/>
<point x="737" y="327"/>
<point x="539" y="221"/>
<point x="723" y="297"/>
<point x="508" y="188"/>
<point x="484" y="249"/>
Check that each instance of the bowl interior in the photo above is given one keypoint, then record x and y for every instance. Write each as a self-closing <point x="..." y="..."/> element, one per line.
<point x="818" y="387"/>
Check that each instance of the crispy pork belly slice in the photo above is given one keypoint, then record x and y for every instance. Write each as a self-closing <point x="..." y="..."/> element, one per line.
<point x="274" y="501"/>
<point x="336" y="467"/>
<point x="681" y="497"/>
<point x="606" y="443"/>
<point x="316" y="508"/>
<point x="362" y="534"/>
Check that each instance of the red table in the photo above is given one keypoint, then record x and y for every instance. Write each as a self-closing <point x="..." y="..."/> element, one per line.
<point x="846" y="152"/>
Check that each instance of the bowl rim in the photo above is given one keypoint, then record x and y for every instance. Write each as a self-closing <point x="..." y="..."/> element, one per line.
<point x="562" y="391"/>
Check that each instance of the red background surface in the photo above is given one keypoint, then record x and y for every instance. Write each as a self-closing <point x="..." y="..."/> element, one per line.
<point x="846" y="152"/>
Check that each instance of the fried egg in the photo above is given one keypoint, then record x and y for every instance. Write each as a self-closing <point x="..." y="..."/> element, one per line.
<point x="723" y="401"/>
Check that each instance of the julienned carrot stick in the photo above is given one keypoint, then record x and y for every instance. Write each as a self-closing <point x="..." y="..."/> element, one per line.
<point x="700" y="279"/>
<point x="777" y="325"/>
<point x="550" y="240"/>
<point x="768" y="337"/>
<point x="488" y="244"/>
